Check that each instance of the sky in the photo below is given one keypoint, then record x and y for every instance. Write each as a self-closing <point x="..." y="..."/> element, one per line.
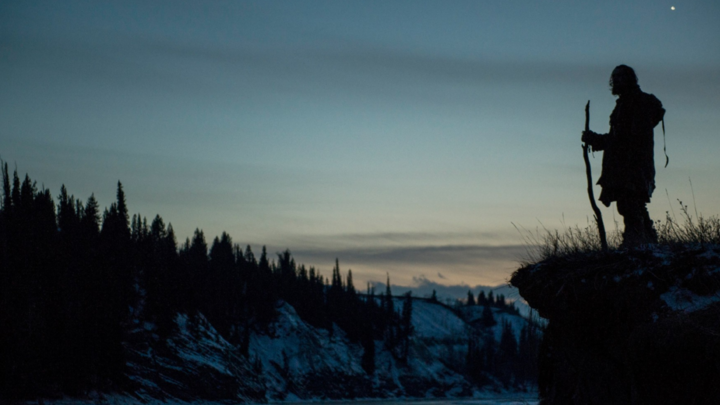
<point x="405" y="137"/>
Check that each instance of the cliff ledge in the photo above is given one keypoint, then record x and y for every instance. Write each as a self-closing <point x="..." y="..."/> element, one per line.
<point x="637" y="326"/>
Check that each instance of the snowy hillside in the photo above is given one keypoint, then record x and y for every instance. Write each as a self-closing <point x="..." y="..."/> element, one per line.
<point x="194" y="363"/>
<point x="432" y="320"/>
<point x="291" y="360"/>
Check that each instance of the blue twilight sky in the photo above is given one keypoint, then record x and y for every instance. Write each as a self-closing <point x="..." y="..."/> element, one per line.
<point x="400" y="136"/>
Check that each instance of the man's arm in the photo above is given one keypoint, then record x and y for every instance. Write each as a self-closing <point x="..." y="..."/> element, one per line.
<point x="596" y="141"/>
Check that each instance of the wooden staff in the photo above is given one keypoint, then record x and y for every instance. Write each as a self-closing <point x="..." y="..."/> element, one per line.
<point x="598" y="214"/>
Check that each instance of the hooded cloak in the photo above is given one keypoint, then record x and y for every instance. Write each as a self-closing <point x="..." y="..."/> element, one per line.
<point x="628" y="165"/>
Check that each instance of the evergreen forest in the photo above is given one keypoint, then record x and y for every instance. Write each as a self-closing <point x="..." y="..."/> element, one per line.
<point x="75" y="279"/>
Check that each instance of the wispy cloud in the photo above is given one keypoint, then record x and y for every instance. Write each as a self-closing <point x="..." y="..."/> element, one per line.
<point x="373" y="240"/>
<point x="425" y="255"/>
<point x="462" y="256"/>
<point x="176" y="66"/>
<point x="334" y="65"/>
<point x="476" y="263"/>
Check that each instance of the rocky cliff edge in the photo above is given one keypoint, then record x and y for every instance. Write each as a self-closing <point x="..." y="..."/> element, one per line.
<point x="637" y="326"/>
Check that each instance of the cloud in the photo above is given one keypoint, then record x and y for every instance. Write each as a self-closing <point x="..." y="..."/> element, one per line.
<point x="312" y="67"/>
<point x="177" y="66"/>
<point x="444" y="255"/>
<point x="465" y="256"/>
<point x="476" y="263"/>
<point x="456" y="257"/>
<point x="373" y="240"/>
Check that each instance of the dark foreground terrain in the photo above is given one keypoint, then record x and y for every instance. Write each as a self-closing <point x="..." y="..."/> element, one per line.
<point x="628" y="327"/>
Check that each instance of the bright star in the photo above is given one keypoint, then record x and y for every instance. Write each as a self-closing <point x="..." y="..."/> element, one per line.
<point x="672" y="8"/>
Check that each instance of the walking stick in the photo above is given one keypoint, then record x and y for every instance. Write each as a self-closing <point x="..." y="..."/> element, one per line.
<point x="598" y="214"/>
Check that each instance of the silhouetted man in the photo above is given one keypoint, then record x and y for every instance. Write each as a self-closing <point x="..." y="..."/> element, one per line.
<point x="628" y="167"/>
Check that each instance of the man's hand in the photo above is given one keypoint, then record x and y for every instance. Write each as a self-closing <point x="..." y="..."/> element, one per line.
<point x="594" y="140"/>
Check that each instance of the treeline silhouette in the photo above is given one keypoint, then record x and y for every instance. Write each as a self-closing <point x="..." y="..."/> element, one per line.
<point x="513" y="359"/>
<point x="75" y="281"/>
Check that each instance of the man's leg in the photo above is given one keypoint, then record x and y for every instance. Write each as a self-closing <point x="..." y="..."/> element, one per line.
<point x="638" y="225"/>
<point x="651" y="235"/>
<point x="633" y="231"/>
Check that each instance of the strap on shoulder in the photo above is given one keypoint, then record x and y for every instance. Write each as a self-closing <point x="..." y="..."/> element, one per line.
<point x="667" y="159"/>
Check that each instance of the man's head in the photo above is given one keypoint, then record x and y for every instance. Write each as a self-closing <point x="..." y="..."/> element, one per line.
<point x="622" y="80"/>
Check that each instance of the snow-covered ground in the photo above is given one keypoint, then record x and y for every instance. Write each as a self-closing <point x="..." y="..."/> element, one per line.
<point x="292" y="361"/>
<point x="684" y="300"/>
<point x="434" y="321"/>
<point x="125" y="400"/>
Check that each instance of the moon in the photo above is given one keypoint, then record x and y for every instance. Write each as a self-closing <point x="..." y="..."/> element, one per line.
<point x="672" y="8"/>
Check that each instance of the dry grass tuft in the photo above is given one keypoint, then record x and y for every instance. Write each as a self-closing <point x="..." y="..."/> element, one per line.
<point x="698" y="230"/>
<point x="544" y="244"/>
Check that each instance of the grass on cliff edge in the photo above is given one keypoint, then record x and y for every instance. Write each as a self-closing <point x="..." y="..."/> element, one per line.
<point x="546" y="244"/>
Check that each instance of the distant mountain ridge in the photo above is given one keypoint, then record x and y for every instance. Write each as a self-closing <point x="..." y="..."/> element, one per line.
<point x="423" y="287"/>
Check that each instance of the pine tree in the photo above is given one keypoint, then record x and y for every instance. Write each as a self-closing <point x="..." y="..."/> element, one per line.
<point x="470" y="298"/>
<point x="6" y="290"/>
<point x="263" y="263"/>
<point x="7" y="193"/>
<point x="90" y="221"/>
<point x="528" y="349"/>
<point x="336" y="278"/>
<point x="249" y="256"/>
<point x="117" y="286"/>
<point x="390" y="318"/>
<point x="406" y="328"/>
<point x="481" y="299"/>
<point x="67" y="215"/>
<point x="196" y="263"/>
<point x="350" y="287"/>
<point x="15" y="194"/>
<point x="368" y="357"/>
<point x="488" y="354"/>
<point x="474" y="361"/>
<point x="507" y="355"/>
<point x="389" y="307"/>
<point x="122" y="209"/>
<point x="221" y="300"/>
<point x="488" y="320"/>
<point x="287" y="276"/>
<point x="265" y="306"/>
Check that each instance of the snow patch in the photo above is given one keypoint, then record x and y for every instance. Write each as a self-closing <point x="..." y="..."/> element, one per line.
<point x="680" y="299"/>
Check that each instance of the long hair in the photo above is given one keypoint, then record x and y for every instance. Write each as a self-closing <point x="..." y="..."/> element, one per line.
<point x="625" y="75"/>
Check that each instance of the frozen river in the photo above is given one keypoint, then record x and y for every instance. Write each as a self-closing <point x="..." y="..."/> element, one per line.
<point x="500" y="399"/>
<point x="490" y="400"/>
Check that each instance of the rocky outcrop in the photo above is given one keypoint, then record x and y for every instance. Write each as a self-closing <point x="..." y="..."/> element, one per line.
<point x="628" y="327"/>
